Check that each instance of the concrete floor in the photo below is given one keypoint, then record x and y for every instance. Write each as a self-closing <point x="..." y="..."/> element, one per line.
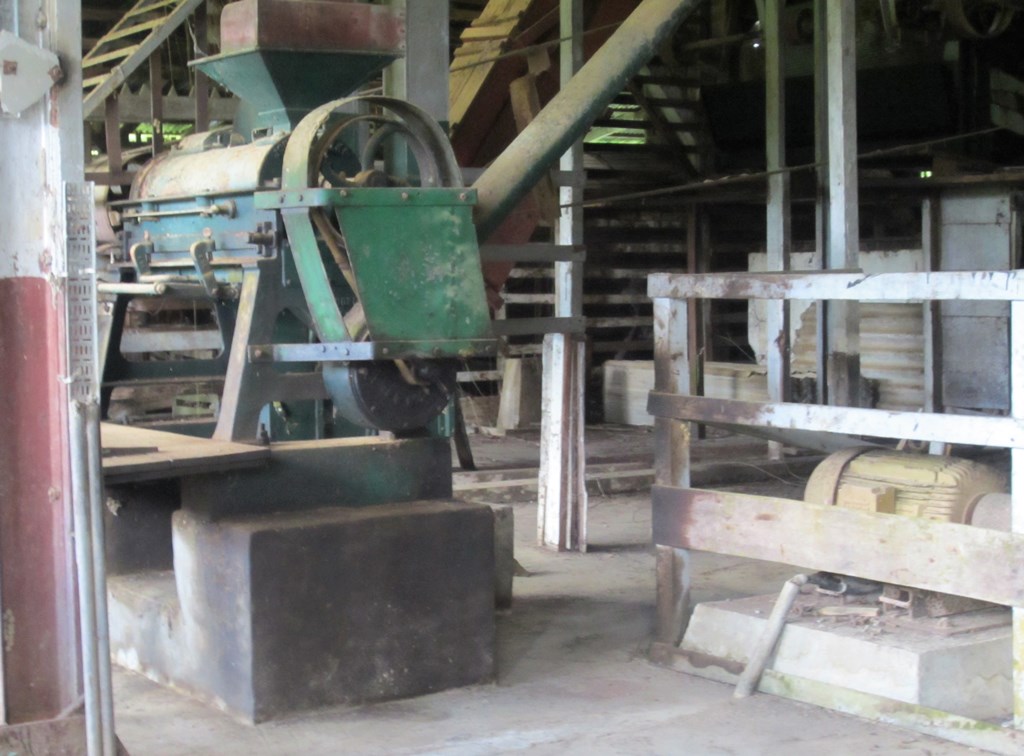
<point x="572" y="677"/>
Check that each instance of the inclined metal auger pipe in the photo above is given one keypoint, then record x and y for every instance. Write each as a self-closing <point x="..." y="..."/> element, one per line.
<point x="571" y="112"/>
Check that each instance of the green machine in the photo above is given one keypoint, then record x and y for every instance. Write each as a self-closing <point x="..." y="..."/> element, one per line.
<point x="286" y="225"/>
<point x="336" y="570"/>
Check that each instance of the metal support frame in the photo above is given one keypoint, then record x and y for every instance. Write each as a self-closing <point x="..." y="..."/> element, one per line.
<point x="248" y="339"/>
<point x="562" y="502"/>
<point x="930" y="555"/>
<point x="248" y="385"/>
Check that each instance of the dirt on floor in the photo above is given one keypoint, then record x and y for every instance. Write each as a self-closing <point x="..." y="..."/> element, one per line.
<point x="573" y="676"/>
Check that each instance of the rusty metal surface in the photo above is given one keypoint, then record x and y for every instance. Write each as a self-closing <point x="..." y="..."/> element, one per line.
<point x="194" y="172"/>
<point x="311" y="25"/>
<point x="39" y="644"/>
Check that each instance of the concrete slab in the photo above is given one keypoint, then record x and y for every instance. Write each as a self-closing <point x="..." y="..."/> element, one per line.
<point x="959" y="665"/>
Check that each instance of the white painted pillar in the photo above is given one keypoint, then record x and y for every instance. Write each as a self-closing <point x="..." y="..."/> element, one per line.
<point x="562" y="496"/>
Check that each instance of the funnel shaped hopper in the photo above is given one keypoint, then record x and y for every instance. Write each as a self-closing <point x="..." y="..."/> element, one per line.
<point x="284" y="58"/>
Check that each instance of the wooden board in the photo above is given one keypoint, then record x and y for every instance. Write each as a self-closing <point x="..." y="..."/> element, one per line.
<point x="133" y="454"/>
<point x="937" y="556"/>
<point x="987" y="430"/>
<point x="992" y="286"/>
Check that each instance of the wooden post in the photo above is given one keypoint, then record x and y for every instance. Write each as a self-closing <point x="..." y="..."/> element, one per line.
<point x="156" y="100"/>
<point x="932" y="310"/>
<point x="1017" y="493"/>
<point x="778" y="220"/>
<point x="821" y="200"/>
<point x="672" y="461"/>
<point x="842" y="326"/>
<point x="697" y="337"/>
<point x="112" y="135"/>
<point x="202" y="86"/>
<point x="562" y="501"/>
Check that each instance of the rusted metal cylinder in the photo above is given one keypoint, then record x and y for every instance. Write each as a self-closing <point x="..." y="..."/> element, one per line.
<point x="567" y="117"/>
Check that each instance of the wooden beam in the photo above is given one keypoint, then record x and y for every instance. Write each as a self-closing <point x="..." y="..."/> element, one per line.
<point x="992" y="286"/>
<point x="962" y="560"/>
<point x="915" y="426"/>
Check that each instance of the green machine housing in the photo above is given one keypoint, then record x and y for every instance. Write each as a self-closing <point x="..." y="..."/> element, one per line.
<point x="288" y="226"/>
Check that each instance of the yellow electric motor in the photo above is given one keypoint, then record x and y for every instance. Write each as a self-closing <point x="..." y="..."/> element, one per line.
<point x="894" y="482"/>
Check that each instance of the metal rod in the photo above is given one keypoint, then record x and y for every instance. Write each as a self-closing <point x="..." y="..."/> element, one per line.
<point x="99" y="577"/>
<point x="86" y="580"/>
<point x="769" y="639"/>
<point x="569" y="114"/>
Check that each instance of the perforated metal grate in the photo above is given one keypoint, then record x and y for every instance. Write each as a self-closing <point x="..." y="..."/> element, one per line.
<point x="83" y="366"/>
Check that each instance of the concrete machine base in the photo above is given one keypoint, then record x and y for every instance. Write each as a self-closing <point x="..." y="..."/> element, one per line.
<point x="956" y="664"/>
<point x="309" y="600"/>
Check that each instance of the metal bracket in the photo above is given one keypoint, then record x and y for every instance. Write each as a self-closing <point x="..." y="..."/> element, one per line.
<point x="28" y="72"/>
<point x="141" y="254"/>
<point x="201" y="253"/>
<point x="365" y="351"/>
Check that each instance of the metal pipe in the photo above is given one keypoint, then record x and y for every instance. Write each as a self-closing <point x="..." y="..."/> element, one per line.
<point x="99" y="576"/>
<point x="86" y="582"/>
<point x="571" y="112"/>
<point x="751" y="674"/>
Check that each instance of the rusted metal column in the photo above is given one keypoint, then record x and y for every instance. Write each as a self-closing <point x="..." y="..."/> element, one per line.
<point x="573" y="109"/>
<point x="39" y="152"/>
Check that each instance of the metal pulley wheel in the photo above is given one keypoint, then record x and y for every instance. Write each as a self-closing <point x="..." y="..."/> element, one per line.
<point x="978" y="19"/>
<point x="396" y="396"/>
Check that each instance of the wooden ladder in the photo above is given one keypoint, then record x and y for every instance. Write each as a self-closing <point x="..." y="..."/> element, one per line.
<point x="138" y="34"/>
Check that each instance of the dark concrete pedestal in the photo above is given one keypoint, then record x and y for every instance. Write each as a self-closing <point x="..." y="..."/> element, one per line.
<point x="271" y="614"/>
<point x="339" y="572"/>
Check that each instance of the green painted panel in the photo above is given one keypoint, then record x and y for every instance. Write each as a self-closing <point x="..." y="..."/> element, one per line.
<point x="416" y="261"/>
